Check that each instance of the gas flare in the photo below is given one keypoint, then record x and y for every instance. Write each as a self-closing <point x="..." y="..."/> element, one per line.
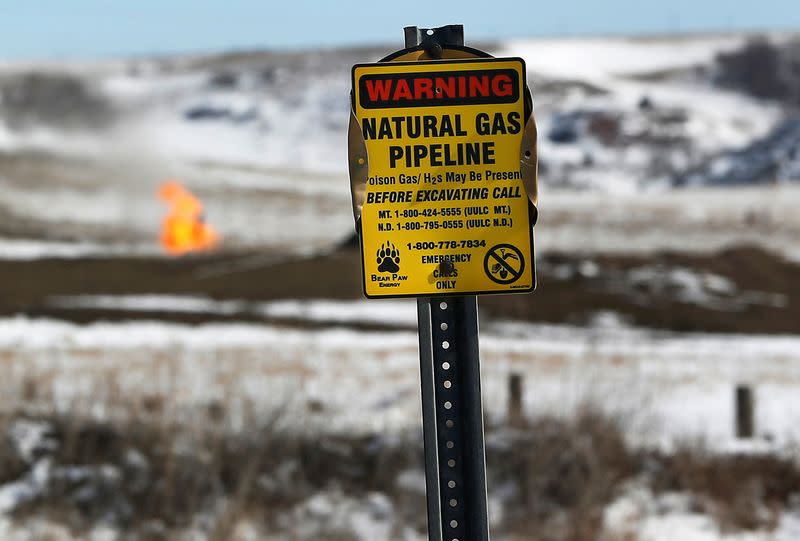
<point x="184" y="229"/>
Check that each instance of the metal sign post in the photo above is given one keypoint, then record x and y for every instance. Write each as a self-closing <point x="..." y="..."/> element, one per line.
<point x="442" y="155"/>
<point x="455" y="463"/>
<point x="452" y="412"/>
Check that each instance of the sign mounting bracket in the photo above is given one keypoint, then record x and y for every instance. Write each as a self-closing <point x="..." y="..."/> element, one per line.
<point x="433" y="40"/>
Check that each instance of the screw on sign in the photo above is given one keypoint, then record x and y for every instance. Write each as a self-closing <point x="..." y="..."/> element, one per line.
<point x="443" y="165"/>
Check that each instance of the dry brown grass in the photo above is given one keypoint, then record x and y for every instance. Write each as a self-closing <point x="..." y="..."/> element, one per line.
<point x="741" y="491"/>
<point x="568" y="472"/>
<point x="169" y="474"/>
<point x="153" y="479"/>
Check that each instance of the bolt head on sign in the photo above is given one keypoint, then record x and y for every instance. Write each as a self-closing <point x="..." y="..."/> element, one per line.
<point x="443" y="204"/>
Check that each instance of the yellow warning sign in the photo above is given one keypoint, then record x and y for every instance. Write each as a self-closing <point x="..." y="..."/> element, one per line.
<point x="444" y="207"/>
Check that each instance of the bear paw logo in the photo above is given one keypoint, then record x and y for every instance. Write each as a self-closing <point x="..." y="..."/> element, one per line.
<point x="388" y="258"/>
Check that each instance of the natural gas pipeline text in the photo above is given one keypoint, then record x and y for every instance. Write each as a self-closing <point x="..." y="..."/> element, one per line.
<point x="442" y="154"/>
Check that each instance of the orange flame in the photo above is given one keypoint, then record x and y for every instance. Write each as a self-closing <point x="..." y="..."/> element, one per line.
<point x="184" y="229"/>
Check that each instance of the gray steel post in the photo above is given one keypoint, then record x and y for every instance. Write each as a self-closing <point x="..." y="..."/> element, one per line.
<point x="455" y="463"/>
<point x="452" y="413"/>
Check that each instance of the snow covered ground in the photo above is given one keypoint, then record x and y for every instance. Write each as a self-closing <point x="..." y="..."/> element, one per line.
<point x="640" y="515"/>
<point x="692" y="220"/>
<point x="674" y="387"/>
<point x="667" y="389"/>
<point x="615" y="76"/>
<point x="260" y="137"/>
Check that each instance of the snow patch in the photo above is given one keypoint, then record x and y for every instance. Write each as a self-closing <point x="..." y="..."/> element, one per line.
<point x="388" y="312"/>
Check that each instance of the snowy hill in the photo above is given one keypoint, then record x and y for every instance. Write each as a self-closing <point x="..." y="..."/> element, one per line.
<point x="261" y="136"/>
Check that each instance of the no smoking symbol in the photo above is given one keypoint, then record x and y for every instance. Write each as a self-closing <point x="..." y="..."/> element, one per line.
<point x="504" y="264"/>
